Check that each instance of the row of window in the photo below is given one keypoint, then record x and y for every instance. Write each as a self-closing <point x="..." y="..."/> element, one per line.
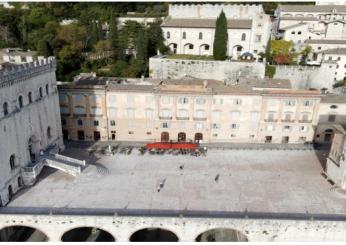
<point x="20" y="100"/>
<point x="200" y="36"/>
<point x="199" y="101"/>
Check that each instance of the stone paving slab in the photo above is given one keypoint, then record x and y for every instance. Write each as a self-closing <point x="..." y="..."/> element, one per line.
<point x="275" y="181"/>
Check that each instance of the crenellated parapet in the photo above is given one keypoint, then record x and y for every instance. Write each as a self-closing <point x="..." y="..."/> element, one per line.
<point x="15" y="74"/>
<point x="213" y="10"/>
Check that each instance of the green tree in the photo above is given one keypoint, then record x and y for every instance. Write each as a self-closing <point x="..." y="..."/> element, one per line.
<point x="73" y="35"/>
<point x="141" y="53"/>
<point x="113" y="32"/>
<point x="93" y="34"/>
<point x="43" y="48"/>
<point x="99" y="31"/>
<point x="220" y="38"/>
<point x="340" y="84"/>
<point x="69" y="63"/>
<point x="156" y="40"/>
<point x="281" y="47"/>
<point x="268" y="51"/>
<point x="305" y="54"/>
<point x="118" y="68"/>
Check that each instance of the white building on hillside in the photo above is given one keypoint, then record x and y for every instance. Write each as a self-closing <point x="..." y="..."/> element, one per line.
<point x="189" y="29"/>
<point x="321" y="26"/>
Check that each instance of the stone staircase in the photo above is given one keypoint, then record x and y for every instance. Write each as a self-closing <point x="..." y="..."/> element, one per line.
<point x="66" y="164"/>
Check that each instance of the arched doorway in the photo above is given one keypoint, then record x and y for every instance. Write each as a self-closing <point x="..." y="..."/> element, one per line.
<point x="236" y="51"/>
<point x="188" y="48"/>
<point x="173" y="47"/>
<point x="33" y="147"/>
<point x="198" y="137"/>
<point x="181" y="137"/>
<point x="164" y="137"/>
<point x="204" y="49"/>
<point x="328" y="134"/>
<point x="153" y="235"/>
<point x="87" y="234"/>
<point x="221" y="235"/>
<point x="22" y="234"/>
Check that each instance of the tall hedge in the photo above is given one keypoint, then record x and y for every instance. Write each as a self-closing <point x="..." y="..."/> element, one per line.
<point x="220" y="38"/>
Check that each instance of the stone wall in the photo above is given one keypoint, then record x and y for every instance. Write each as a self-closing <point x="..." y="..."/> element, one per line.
<point x="163" y="68"/>
<point x="186" y="228"/>
<point x="29" y="122"/>
<point x="305" y="77"/>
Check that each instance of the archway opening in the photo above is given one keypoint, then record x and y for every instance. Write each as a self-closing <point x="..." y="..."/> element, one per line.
<point x="181" y="137"/>
<point x="34" y="147"/>
<point x="173" y="47"/>
<point x="164" y="137"/>
<point x="153" y="235"/>
<point x="22" y="234"/>
<point x="87" y="234"/>
<point x="236" y="51"/>
<point x="204" y="49"/>
<point x="198" y="137"/>
<point x="188" y="48"/>
<point x="221" y="235"/>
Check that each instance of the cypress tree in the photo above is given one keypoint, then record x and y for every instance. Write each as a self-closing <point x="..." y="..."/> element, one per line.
<point x="93" y="34"/>
<point x="113" y="32"/>
<point x="220" y="38"/>
<point x="100" y="35"/>
<point x="268" y="53"/>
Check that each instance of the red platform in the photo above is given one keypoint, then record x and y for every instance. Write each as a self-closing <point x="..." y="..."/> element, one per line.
<point x="168" y="145"/>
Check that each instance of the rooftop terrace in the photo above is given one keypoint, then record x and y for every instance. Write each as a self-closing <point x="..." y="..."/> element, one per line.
<point x="270" y="181"/>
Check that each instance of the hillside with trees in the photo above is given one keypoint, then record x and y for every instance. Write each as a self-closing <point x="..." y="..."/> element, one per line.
<point x="83" y="45"/>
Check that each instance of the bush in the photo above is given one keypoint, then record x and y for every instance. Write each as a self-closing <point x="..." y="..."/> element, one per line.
<point x="270" y="71"/>
<point x="118" y="68"/>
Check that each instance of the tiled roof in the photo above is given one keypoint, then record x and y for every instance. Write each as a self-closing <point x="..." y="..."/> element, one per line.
<point x="299" y="18"/>
<point x="312" y="8"/>
<point x="293" y="26"/>
<point x="335" y="51"/>
<point x="206" y="23"/>
<point x="325" y="41"/>
<point x="333" y="98"/>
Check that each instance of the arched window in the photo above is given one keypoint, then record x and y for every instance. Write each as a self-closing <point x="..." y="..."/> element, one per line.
<point x="168" y="35"/>
<point x="243" y="37"/>
<point x="40" y="91"/>
<point x="49" y="133"/>
<point x="20" y="101"/>
<point x="5" y="108"/>
<point x="200" y="36"/>
<point x="184" y="35"/>
<point x="30" y="97"/>
<point x="47" y="89"/>
<point x="12" y="161"/>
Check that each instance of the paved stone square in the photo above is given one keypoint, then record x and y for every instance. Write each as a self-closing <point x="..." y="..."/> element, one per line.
<point x="276" y="181"/>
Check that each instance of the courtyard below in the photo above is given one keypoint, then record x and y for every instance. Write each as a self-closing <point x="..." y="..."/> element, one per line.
<point x="225" y="180"/>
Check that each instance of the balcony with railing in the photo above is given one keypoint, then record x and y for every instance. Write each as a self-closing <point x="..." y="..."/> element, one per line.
<point x="288" y="120"/>
<point x="182" y="118"/>
<point x="165" y="117"/>
<point x="200" y="118"/>
<point x="270" y="120"/>
<point x="305" y="121"/>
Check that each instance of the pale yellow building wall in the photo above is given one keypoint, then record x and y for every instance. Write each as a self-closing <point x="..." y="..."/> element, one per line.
<point x="240" y="118"/>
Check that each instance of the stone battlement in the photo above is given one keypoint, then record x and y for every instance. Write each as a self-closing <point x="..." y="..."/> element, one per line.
<point x="213" y="10"/>
<point x="22" y="72"/>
